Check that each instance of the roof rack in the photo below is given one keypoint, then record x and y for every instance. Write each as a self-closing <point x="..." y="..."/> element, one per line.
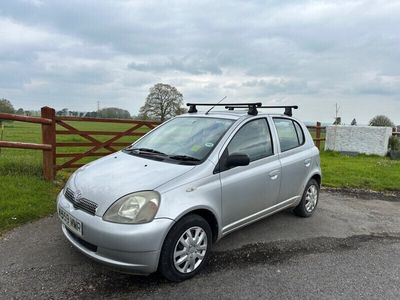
<point x="252" y="107"/>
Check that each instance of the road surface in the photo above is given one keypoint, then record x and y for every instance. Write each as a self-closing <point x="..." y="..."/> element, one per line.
<point x="349" y="249"/>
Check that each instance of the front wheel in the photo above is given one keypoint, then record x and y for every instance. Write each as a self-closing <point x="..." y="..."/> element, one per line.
<point x="185" y="248"/>
<point x="309" y="200"/>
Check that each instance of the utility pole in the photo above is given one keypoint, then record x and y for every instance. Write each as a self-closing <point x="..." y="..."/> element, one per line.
<point x="338" y="120"/>
<point x="98" y="106"/>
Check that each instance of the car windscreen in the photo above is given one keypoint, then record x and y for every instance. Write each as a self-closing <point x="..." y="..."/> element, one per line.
<point x="184" y="138"/>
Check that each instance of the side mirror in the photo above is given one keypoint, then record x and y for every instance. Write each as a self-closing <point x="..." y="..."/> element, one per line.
<point x="237" y="159"/>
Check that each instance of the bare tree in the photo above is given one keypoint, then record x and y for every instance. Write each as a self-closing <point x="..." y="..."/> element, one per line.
<point x="163" y="102"/>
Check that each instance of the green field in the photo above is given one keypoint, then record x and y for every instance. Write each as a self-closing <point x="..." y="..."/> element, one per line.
<point x="25" y="196"/>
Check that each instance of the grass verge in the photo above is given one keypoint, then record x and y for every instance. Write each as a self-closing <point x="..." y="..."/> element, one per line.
<point x="368" y="172"/>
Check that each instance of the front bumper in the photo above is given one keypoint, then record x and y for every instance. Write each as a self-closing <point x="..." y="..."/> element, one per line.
<point x="133" y="248"/>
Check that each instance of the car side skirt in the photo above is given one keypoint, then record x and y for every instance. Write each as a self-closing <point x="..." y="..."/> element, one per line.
<point x="259" y="215"/>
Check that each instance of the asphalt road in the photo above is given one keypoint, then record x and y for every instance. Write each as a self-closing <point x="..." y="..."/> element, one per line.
<point x="350" y="249"/>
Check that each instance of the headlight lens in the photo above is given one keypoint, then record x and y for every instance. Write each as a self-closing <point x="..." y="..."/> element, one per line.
<point x="135" y="208"/>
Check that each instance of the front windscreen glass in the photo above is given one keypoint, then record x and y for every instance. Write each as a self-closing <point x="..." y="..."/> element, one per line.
<point x="183" y="139"/>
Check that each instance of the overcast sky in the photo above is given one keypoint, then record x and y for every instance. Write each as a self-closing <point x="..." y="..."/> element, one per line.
<point x="311" y="53"/>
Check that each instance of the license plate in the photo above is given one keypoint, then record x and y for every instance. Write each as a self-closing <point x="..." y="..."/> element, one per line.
<point x="71" y="222"/>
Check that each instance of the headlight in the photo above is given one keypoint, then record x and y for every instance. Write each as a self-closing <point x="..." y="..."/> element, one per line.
<point x="140" y="207"/>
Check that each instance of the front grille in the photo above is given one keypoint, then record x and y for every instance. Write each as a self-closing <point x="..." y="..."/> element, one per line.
<point x="80" y="203"/>
<point x="85" y="244"/>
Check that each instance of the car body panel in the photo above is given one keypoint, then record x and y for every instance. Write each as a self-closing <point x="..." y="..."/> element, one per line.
<point x="258" y="189"/>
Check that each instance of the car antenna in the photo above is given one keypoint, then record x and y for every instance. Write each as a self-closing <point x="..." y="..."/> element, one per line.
<point x="214" y="105"/>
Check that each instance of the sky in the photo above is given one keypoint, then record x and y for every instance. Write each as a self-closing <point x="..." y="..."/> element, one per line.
<point x="309" y="53"/>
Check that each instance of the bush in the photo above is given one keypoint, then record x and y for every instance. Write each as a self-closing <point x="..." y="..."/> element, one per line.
<point x="394" y="143"/>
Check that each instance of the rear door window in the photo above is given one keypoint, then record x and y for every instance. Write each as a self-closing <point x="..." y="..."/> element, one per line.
<point x="289" y="132"/>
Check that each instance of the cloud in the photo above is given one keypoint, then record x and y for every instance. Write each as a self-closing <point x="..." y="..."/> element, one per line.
<point x="75" y="53"/>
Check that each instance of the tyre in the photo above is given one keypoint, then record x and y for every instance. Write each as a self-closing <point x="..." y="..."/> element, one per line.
<point x="186" y="248"/>
<point x="309" y="200"/>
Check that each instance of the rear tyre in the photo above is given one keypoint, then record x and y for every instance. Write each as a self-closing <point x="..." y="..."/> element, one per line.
<point x="309" y="201"/>
<point x="185" y="248"/>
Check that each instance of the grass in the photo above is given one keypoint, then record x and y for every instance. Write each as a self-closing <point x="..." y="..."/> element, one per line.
<point x="362" y="171"/>
<point x="25" y="196"/>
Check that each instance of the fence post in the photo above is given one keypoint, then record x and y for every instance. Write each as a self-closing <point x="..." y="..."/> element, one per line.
<point x="49" y="137"/>
<point x="318" y="135"/>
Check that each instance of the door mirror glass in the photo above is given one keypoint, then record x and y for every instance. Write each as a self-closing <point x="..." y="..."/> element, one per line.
<point x="237" y="159"/>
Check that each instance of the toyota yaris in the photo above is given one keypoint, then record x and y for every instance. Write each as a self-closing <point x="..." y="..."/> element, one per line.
<point x="159" y="204"/>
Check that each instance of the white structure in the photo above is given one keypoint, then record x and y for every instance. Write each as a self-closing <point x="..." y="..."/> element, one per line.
<point x="360" y="139"/>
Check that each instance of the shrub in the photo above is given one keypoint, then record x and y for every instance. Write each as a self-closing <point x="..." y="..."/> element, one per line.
<point x="394" y="143"/>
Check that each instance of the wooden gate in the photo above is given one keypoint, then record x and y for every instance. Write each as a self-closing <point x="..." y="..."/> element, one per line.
<point x="107" y="147"/>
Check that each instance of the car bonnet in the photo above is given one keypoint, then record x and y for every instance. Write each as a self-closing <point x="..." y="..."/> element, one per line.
<point x="106" y="180"/>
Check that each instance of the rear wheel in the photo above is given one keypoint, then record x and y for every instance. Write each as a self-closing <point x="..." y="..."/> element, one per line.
<point x="185" y="248"/>
<point x="309" y="200"/>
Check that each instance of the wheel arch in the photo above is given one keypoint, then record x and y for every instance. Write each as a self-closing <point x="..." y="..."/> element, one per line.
<point x="317" y="177"/>
<point x="206" y="214"/>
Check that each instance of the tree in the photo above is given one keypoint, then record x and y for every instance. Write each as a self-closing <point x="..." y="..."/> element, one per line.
<point x="114" y="113"/>
<point x="6" y="106"/>
<point x="92" y="114"/>
<point x="163" y="102"/>
<point x="20" y="111"/>
<point x="338" y="121"/>
<point x="381" y="120"/>
<point x="354" y="122"/>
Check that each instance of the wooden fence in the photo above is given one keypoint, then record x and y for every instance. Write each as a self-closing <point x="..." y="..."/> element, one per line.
<point x="51" y="147"/>
<point x="318" y="130"/>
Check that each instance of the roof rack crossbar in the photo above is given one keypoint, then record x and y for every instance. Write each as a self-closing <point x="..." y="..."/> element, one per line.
<point x="251" y="106"/>
<point x="288" y="108"/>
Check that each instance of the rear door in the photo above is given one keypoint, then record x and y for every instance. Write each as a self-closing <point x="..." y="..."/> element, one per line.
<point x="294" y="157"/>
<point x="247" y="190"/>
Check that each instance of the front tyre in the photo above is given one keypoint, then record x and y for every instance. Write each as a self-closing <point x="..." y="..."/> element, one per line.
<point x="309" y="200"/>
<point x="185" y="248"/>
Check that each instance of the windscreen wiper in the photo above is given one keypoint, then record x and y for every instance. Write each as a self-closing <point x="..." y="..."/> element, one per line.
<point x="146" y="150"/>
<point x="183" y="157"/>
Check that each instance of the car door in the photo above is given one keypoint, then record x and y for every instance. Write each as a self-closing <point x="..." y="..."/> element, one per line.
<point x="295" y="159"/>
<point x="248" y="190"/>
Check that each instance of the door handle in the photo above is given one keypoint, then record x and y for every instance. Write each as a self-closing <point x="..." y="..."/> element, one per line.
<point x="274" y="175"/>
<point x="307" y="162"/>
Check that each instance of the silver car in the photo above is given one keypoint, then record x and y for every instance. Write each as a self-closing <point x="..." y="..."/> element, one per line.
<point x="161" y="203"/>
